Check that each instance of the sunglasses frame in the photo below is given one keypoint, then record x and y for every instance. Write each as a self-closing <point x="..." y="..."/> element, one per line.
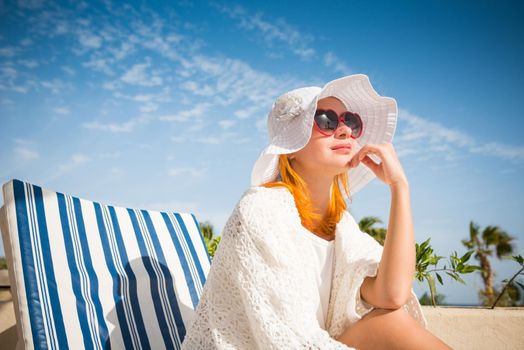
<point x="341" y="118"/>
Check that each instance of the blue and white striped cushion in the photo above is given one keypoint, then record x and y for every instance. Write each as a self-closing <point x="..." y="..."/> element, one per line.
<point x="95" y="276"/>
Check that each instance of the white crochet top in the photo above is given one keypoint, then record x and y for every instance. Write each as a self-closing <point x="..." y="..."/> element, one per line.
<point x="322" y="272"/>
<point x="258" y="294"/>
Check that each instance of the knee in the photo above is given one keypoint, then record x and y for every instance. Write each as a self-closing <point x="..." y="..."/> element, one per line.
<point x="378" y="326"/>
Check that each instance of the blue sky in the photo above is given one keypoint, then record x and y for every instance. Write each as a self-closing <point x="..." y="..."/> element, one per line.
<point x="162" y="105"/>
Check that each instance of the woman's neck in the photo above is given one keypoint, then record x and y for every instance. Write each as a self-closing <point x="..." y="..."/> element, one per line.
<point x="319" y="187"/>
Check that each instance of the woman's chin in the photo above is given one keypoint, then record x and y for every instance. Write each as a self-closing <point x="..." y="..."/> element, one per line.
<point x="342" y="168"/>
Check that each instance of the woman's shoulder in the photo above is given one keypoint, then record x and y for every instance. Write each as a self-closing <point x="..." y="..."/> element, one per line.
<point x="261" y="195"/>
<point x="266" y="199"/>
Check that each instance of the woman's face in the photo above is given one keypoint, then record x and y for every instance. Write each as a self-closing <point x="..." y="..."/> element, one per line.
<point x="319" y="155"/>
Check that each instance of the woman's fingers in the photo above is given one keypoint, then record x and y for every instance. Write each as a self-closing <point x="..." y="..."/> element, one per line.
<point x="371" y="164"/>
<point x="388" y="170"/>
<point x="364" y="151"/>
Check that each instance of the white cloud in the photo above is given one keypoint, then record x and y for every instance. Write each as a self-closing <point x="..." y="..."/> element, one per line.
<point x="229" y="81"/>
<point x="61" y="28"/>
<point x="335" y="63"/>
<point x="512" y="153"/>
<point x="241" y="140"/>
<point x="100" y="65"/>
<point x="26" y="42"/>
<point x="9" y="51"/>
<point x="26" y="153"/>
<point x="111" y="127"/>
<point x="276" y="31"/>
<point x="76" y="160"/>
<point x="80" y="158"/>
<point x="144" y="98"/>
<point x="4" y="101"/>
<point x="115" y="154"/>
<point x="56" y="86"/>
<point x="148" y="107"/>
<point x="196" y="112"/>
<point x="261" y="125"/>
<point x="111" y="85"/>
<point x="226" y="124"/>
<point x="198" y="89"/>
<point x="212" y="140"/>
<point x="68" y="70"/>
<point x="61" y="110"/>
<point x="8" y="72"/>
<point x="246" y="112"/>
<point x="178" y="139"/>
<point x="423" y="140"/>
<point x="174" y="38"/>
<point x="186" y="171"/>
<point x="273" y="31"/>
<point x="90" y="41"/>
<point x="28" y="63"/>
<point x="117" y="127"/>
<point x="137" y="75"/>
<point x="122" y="51"/>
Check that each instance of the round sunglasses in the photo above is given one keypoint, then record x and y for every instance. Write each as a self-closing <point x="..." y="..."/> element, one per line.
<point x="327" y="122"/>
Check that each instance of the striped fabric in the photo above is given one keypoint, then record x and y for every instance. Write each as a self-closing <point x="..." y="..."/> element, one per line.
<point x="92" y="276"/>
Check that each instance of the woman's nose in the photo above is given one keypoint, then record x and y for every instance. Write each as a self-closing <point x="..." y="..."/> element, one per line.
<point x="343" y="129"/>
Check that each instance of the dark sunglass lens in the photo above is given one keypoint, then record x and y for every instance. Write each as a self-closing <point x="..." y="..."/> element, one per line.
<point x="326" y="121"/>
<point x="354" y="122"/>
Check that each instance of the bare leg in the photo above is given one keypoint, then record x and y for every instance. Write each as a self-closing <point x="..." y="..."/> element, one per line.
<point x="389" y="329"/>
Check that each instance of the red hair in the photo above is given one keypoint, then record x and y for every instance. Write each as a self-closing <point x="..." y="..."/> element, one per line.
<point x="309" y="215"/>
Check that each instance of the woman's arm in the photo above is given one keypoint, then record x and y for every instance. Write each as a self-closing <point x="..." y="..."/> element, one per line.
<point x="391" y="287"/>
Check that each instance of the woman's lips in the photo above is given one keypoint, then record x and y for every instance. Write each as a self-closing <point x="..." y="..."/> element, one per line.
<point x="345" y="150"/>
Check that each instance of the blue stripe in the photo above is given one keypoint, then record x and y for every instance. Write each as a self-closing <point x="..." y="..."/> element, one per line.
<point x="183" y="261"/>
<point x="50" y="278"/>
<point x="158" y="263"/>
<point x="28" y="266"/>
<point x="201" y="238"/>
<point x="171" y="294"/>
<point x="117" y="296"/>
<point x="123" y="288"/>
<point x="75" y="272"/>
<point x="194" y="254"/>
<point x="35" y="241"/>
<point x="93" y="279"/>
<point x="133" y="290"/>
<point x="154" y="280"/>
<point x="84" y="285"/>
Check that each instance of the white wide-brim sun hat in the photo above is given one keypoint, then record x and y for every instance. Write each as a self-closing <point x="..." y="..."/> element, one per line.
<point x="291" y="118"/>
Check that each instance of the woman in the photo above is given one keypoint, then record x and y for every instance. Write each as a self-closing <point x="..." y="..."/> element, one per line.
<point x="293" y="270"/>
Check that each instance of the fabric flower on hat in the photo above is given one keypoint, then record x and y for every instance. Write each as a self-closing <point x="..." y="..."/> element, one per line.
<point x="287" y="107"/>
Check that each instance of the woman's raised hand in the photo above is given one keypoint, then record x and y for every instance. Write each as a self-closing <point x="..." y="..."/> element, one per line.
<point x="388" y="170"/>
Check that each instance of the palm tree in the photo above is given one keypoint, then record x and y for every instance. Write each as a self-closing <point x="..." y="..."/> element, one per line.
<point x="366" y="225"/>
<point x="207" y="233"/>
<point x="3" y="263"/>
<point x="492" y="240"/>
<point x="425" y="299"/>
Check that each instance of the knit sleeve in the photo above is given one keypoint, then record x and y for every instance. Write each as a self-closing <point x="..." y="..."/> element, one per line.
<point x="360" y="258"/>
<point x="357" y="259"/>
<point x="370" y="253"/>
<point x="361" y="306"/>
